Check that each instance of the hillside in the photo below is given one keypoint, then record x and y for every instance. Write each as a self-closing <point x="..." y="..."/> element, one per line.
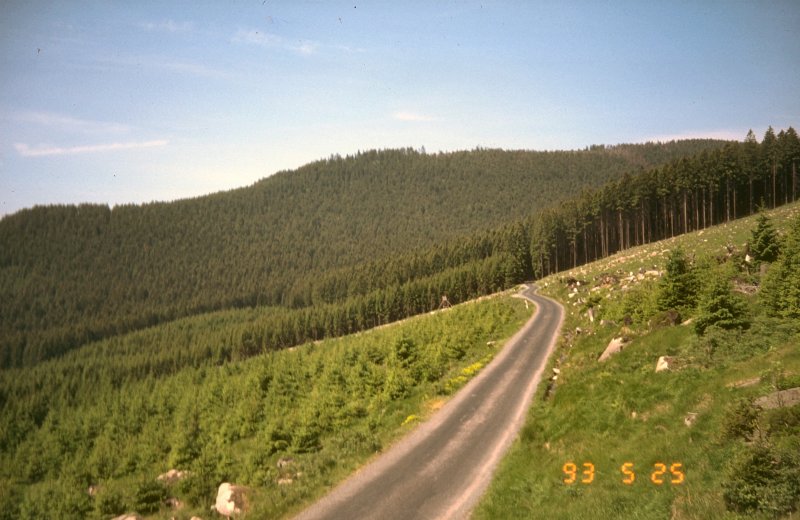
<point x="70" y="275"/>
<point x="616" y="438"/>
<point x="119" y="324"/>
<point x="92" y="420"/>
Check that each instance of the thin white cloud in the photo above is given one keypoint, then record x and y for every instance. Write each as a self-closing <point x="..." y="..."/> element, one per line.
<point x="157" y="62"/>
<point x="272" y="41"/>
<point x="43" y="151"/>
<point x="193" y="69"/>
<point x="254" y="37"/>
<point x="168" y="26"/>
<point x="727" y="135"/>
<point x="71" y="124"/>
<point x="412" y="116"/>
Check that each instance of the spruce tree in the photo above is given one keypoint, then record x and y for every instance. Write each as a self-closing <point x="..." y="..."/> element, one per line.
<point x="764" y="244"/>
<point x="720" y="308"/>
<point x="780" y="290"/>
<point x="678" y="286"/>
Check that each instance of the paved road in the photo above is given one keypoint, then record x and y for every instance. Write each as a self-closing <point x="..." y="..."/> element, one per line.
<point x="442" y="468"/>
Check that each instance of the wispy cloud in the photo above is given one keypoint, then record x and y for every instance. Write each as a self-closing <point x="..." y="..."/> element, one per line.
<point x="726" y="134"/>
<point x="71" y="124"/>
<point x="168" y="26"/>
<point x="193" y="69"/>
<point x="268" y="40"/>
<point x="43" y="151"/>
<point x="413" y="116"/>
<point x="160" y="63"/>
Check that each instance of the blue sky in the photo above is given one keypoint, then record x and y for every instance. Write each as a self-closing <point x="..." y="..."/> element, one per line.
<point x="120" y="102"/>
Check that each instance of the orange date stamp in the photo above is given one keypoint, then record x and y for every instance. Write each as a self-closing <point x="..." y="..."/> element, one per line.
<point x="659" y="473"/>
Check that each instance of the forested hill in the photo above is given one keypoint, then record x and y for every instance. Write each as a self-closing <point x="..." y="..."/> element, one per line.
<point x="72" y="274"/>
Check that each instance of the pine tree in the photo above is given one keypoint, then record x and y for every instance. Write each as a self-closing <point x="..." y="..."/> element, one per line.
<point x="678" y="286"/>
<point x="720" y="308"/>
<point x="781" y="286"/>
<point x="764" y="244"/>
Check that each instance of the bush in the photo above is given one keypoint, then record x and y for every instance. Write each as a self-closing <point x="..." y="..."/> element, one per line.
<point x="149" y="496"/>
<point x="741" y="420"/>
<point x="764" y="478"/>
<point x="109" y="502"/>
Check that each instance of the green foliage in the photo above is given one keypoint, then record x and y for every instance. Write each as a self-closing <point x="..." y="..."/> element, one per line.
<point x="719" y="308"/>
<point x="678" y="287"/>
<point x="330" y="406"/>
<point x="109" y="501"/>
<point x="764" y="478"/>
<point x="741" y="420"/>
<point x="148" y="496"/>
<point x="781" y="285"/>
<point x="620" y="411"/>
<point x="763" y="243"/>
<point x="639" y="304"/>
<point x="10" y="494"/>
<point x="65" y="499"/>
<point x="328" y="231"/>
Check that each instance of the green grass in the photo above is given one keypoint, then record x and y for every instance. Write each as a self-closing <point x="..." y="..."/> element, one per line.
<point x="622" y="411"/>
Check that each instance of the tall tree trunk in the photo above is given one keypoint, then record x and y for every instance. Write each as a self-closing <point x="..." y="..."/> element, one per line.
<point x="685" y="216"/>
<point x="644" y="237"/>
<point x="727" y="200"/>
<point x="705" y="207"/>
<point x="711" y="206"/>
<point x="774" y="174"/>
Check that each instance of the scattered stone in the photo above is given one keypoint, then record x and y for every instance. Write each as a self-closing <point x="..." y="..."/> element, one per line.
<point x="578" y="330"/>
<point x="556" y="370"/>
<point x="607" y="323"/>
<point x="172" y="476"/>
<point x="782" y="399"/>
<point x="664" y="363"/>
<point x="613" y="347"/>
<point x="286" y="481"/>
<point x="690" y="419"/>
<point x="92" y="491"/>
<point x="634" y="415"/>
<point x="745" y="288"/>
<point x="173" y="503"/>
<point x="230" y="499"/>
<point x="688" y="322"/>
<point x="128" y="516"/>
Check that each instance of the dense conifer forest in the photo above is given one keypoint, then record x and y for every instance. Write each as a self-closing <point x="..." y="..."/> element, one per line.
<point x="129" y="333"/>
<point x="407" y="224"/>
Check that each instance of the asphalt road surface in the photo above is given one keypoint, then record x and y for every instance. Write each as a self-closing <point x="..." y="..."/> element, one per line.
<point x="441" y="469"/>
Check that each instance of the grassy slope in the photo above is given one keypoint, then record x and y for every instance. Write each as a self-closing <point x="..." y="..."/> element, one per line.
<point x="622" y="411"/>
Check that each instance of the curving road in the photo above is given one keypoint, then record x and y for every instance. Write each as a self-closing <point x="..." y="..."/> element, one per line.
<point x="441" y="469"/>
